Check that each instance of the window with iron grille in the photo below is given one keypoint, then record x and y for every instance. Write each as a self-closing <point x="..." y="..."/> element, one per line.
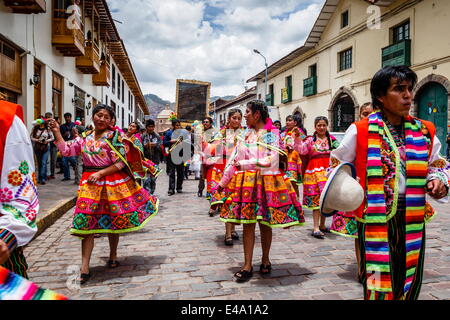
<point x="401" y="32"/>
<point x="345" y="59"/>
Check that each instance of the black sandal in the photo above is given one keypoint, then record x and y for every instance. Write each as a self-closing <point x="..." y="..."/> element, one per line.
<point x="243" y="275"/>
<point x="234" y="235"/>
<point x="113" y="264"/>
<point x="318" y="235"/>
<point x="228" y="241"/>
<point x="266" y="267"/>
<point x="84" y="277"/>
<point x="325" y="230"/>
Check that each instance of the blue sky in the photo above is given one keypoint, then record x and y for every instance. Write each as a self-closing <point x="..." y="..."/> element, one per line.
<point x="209" y="40"/>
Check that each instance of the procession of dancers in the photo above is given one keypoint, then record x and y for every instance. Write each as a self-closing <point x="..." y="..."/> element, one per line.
<point x="373" y="184"/>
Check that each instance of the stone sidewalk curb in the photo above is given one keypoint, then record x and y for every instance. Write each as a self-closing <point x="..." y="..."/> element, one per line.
<point x="54" y="214"/>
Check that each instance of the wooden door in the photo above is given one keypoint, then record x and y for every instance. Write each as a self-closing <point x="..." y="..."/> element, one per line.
<point x="343" y="114"/>
<point x="37" y="92"/>
<point x="433" y="106"/>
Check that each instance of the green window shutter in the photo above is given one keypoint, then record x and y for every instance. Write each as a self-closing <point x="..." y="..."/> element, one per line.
<point x="397" y="54"/>
<point x="310" y="86"/>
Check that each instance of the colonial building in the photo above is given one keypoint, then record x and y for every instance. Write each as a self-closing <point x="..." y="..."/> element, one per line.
<point x="66" y="56"/>
<point x="350" y="41"/>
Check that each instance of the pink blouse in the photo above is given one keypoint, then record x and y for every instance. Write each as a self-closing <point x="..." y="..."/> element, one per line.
<point x="257" y="152"/>
<point x="95" y="153"/>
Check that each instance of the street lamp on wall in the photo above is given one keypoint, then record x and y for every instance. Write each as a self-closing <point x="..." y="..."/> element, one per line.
<point x="265" y="63"/>
<point x="35" y="80"/>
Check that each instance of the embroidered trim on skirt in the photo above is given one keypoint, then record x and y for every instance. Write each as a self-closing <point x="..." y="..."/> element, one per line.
<point x="345" y="225"/>
<point x="269" y="199"/>
<point x="314" y="181"/>
<point x="114" y="204"/>
<point x="294" y="170"/>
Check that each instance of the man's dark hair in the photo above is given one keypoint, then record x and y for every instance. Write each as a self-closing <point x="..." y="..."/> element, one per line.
<point x="149" y="122"/>
<point x="188" y="128"/>
<point x="67" y="114"/>
<point x="382" y="80"/>
<point x="174" y="122"/>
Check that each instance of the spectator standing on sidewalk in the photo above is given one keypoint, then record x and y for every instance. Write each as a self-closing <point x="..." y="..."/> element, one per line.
<point x="67" y="134"/>
<point x="42" y="137"/>
<point x="18" y="179"/>
<point x="53" y="151"/>
<point x="152" y="150"/>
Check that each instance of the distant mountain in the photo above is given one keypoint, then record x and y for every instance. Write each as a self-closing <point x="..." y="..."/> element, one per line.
<point x="156" y="104"/>
<point x="224" y="98"/>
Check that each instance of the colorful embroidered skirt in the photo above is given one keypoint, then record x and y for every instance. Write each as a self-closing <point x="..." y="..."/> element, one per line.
<point x="216" y="176"/>
<point x="294" y="170"/>
<point x="15" y="287"/>
<point x="314" y="181"/>
<point x="268" y="199"/>
<point x="114" y="204"/>
<point x="344" y="224"/>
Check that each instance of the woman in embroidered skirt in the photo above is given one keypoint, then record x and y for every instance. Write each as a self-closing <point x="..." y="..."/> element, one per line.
<point x="294" y="170"/>
<point x="109" y="199"/>
<point x="259" y="192"/>
<point x="221" y="149"/>
<point x="318" y="148"/>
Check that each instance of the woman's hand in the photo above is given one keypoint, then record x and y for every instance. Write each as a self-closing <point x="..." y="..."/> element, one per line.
<point x="93" y="178"/>
<point x="53" y="125"/>
<point x="237" y="164"/>
<point x="296" y="133"/>
<point x="4" y="252"/>
<point x="436" y="189"/>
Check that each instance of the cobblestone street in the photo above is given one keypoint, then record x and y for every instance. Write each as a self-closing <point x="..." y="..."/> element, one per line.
<point x="180" y="254"/>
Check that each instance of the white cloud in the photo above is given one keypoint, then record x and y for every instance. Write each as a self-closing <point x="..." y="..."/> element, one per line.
<point x="170" y="39"/>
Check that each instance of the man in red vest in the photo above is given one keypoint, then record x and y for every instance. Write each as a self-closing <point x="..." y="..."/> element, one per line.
<point x="19" y="203"/>
<point x="397" y="164"/>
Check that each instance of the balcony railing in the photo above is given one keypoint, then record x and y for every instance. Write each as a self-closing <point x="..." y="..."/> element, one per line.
<point x="66" y="37"/>
<point x="89" y="63"/>
<point x="286" y="95"/>
<point x="310" y="86"/>
<point x="26" y="6"/>
<point x="270" y="99"/>
<point x="103" y="78"/>
<point x="398" y="54"/>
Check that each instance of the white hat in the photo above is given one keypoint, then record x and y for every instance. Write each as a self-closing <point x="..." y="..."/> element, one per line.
<point x="341" y="192"/>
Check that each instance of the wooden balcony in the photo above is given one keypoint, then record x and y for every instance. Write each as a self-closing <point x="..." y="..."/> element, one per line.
<point x="26" y="6"/>
<point x="70" y="42"/>
<point x="89" y="63"/>
<point x="103" y="78"/>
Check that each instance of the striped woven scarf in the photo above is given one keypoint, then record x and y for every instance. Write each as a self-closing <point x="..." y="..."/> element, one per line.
<point x="379" y="281"/>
